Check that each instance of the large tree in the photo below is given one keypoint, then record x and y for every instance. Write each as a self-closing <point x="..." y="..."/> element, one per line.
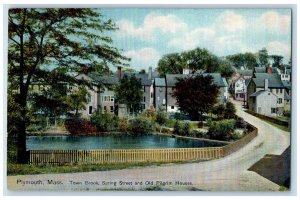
<point x="277" y="61"/>
<point x="247" y="60"/>
<point x="195" y="60"/>
<point x="71" y="41"/>
<point x="195" y="95"/>
<point x="263" y="57"/>
<point x="129" y="91"/>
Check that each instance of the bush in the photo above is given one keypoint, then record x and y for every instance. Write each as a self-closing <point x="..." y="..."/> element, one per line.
<point x="105" y="121"/>
<point x="79" y="126"/>
<point x="287" y="113"/>
<point x="186" y="129"/>
<point x="177" y="128"/>
<point x="236" y="136"/>
<point x="178" y="116"/>
<point x="123" y="125"/>
<point x="139" y="126"/>
<point x="222" y="130"/>
<point x="229" y="111"/>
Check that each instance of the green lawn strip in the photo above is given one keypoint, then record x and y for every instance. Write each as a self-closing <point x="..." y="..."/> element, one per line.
<point x="26" y="169"/>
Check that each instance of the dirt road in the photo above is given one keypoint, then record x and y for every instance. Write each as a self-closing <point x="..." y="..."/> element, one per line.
<point x="225" y="174"/>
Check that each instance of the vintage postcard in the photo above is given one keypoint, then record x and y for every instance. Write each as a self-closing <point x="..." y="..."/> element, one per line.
<point x="149" y="99"/>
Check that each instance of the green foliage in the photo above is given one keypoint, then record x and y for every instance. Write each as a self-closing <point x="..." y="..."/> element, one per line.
<point x="177" y="128"/>
<point x="186" y="129"/>
<point x="104" y="121"/>
<point x="219" y="110"/>
<point x="229" y="111"/>
<point x="194" y="60"/>
<point x="140" y="125"/>
<point x="222" y="130"/>
<point x="129" y="92"/>
<point x="201" y="92"/>
<point x="161" y="117"/>
<point x="77" y="100"/>
<point x="277" y="61"/>
<point x="247" y="60"/>
<point x="236" y="136"/>
<point x="287" y="113"/>
<point x="70" y="40"/>
<point x="263" y="57"/>
<point x="178" y="116"/>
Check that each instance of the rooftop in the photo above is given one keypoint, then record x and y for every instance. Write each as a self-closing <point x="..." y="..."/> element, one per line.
<point x="274" y="80"/>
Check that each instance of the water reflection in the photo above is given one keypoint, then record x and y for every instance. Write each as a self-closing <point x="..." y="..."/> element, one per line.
<point x="112" y="142"/>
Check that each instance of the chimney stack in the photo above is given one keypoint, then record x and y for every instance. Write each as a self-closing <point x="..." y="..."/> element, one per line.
<point x="119" y="72"/>
<point x="266" y="84"/>
<point x="269" y="69"/>
<point x="150" y="73"/>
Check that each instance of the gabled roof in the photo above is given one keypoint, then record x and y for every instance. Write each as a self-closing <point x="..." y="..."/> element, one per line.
<point x="255" y="94"/>
<point x="107" y="80"/>
<point x="247" y="81"/>
<point x="275" y="70"/>
<point x="245" y="72"/>
<point x="171" y="79"/>
<point x="160" y="82"/>
<point x="287" y="84"/>
<point x="274" y="80"/>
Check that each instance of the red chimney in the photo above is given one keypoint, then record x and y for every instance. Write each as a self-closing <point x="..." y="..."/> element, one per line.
<point x="119" y="72"/>
<point x="269" y="70"/>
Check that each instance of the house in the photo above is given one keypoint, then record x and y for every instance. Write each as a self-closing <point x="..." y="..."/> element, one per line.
<point x="275" y="86"/>
<point x="264" y="101"/>
<point x="160" y="92"/>
<point x="171" y="80"/>
<point x="238" y="86"/>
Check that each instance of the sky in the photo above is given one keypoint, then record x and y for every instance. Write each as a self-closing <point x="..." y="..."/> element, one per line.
<point x="145" y="35"/>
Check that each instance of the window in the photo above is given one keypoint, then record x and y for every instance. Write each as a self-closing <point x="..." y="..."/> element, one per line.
<point x="143" y="106"/>
<point x="108" y="98"/>
<point x="172" y="107"/>
<point x="273" y="110"/>
<point x="90" y="110"/>
<point x="111" y="109"/>
<point x="279" y="100"/>
<point x="276" y="91"/>
<point x="105" y="98"/>
<point x="281" y="91"/>
<point x="89" y="98"/>
<point x="254" y="99"/>
<point x="144" y="99"/>
<point x="151" y="95"/>
<point x="144" y="88"/>
<point x="104" y="108"/>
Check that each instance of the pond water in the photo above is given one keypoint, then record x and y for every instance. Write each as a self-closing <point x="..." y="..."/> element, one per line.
<point x="113" y="142"/>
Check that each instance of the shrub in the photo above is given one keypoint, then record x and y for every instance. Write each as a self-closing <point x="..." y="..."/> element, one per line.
<point x="287" y="113"/>
<point x="222" y="130"/>
<point x="161" y="118"/>
<point x="123" y="125"/>
<point x="186" y="129"/>
<point x="105" y="121"/>
<point x="229" y="111"/>
<point x="236" y="136"/>
<point x="79" y="126"/>
<point x="219" y="111"/>
<point x="178" y="116"/>
<point x="140" y="126"/>
<point x="177" y="128"/>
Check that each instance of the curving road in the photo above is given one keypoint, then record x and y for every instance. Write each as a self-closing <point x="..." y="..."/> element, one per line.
<point x="226" y="174"/>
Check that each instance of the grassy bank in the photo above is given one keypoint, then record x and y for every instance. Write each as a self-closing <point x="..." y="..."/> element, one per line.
<point x="281" y="127"/>
<point x="26" y="169"/>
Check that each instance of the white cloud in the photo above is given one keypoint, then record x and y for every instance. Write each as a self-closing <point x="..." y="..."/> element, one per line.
<point x="279" y="48"/>
<point x="230" y="22"/>
<point x="272" y="21"/>
<point x="143" y="58"/>
<point x="189" y="40"/>
<point x="152" y="23"/>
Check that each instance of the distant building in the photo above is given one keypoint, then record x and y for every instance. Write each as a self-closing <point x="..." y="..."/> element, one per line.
<point x="160" y="92"/>
<point x="263" y="101"/>
<point x="275" y="86"/>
